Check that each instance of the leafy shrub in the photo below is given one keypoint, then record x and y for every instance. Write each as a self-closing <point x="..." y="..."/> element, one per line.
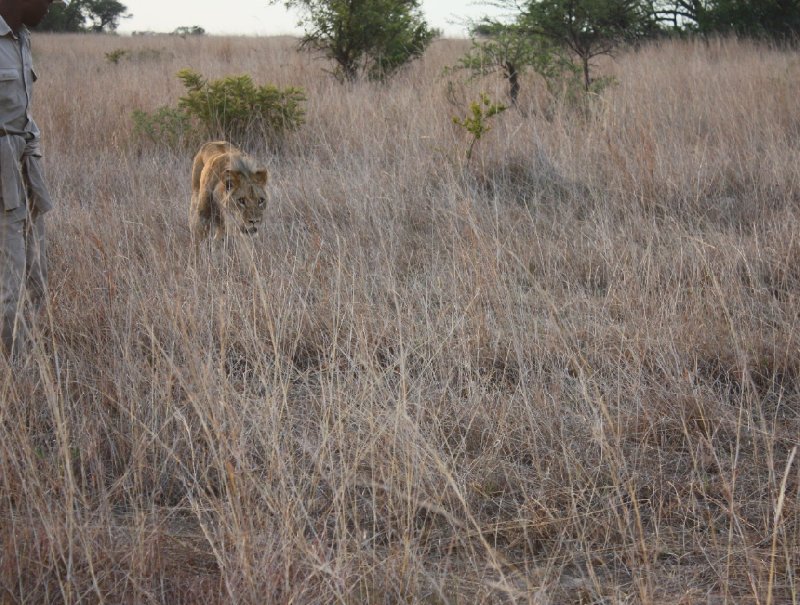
<point x="231" y="107"/>
<point x="116" y="55"/>
<point x="166" y="125"/>
<point x="142" y="55"/>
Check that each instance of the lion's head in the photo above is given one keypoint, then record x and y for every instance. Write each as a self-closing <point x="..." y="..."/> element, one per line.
<point x="244" y="196"/>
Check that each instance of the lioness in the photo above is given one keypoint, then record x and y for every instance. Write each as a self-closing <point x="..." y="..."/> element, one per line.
<point x="228" y="192"/>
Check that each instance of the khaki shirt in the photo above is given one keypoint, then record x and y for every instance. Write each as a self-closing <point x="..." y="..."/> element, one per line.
<point x="21" y="176"/>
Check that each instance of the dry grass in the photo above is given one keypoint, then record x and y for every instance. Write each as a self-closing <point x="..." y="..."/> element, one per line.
<point x="568" y="374"/>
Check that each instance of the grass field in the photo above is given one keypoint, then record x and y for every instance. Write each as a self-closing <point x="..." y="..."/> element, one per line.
<point x="568" y="372"/>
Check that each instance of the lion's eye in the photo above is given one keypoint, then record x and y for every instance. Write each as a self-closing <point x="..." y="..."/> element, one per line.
<point x="242" y="201"/>
<point x="261" y="201"/>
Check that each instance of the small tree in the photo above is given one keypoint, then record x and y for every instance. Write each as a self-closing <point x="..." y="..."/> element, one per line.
<point x="476" y="122"/>
<point x="499" y="47"/>
<point x="511" y="49"/>
<point x="372" y="37"/>
<point x="588" y="28"/>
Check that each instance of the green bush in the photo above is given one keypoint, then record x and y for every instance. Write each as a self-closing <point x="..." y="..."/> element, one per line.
<point x="166" y="125"/>
<point x="116" y="55"/>
<point x="232" y="107"/>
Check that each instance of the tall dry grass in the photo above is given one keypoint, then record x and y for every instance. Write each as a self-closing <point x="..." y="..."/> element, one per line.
<point x="567" y="373"/>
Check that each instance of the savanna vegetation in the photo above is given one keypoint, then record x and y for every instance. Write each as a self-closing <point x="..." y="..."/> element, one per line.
<point x="564" y="370"/>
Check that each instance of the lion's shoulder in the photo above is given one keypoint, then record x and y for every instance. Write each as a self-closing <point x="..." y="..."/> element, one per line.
<point x="218" y="156"/>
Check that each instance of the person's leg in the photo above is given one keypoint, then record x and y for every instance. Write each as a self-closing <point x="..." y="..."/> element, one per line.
<point x="12" y="271"/>
<point x="36" y="261"/>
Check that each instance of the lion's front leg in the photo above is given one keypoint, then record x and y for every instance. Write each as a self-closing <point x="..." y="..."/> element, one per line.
<point x="199" y="225"/>
<point x="203" y="214"/>
<point x="220" y="233"/>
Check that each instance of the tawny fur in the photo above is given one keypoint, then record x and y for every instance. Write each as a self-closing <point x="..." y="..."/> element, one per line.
<point x="228" y="192"/>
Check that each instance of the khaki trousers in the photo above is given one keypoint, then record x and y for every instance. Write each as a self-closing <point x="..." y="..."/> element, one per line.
<point x="23" y="277"/>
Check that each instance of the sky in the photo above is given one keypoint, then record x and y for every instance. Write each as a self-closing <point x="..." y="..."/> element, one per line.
<point x="258" y="17"/>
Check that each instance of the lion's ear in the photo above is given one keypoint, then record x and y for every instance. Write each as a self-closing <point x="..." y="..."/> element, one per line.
<point x="231" y="179"/>
<point x="261" y="176"/>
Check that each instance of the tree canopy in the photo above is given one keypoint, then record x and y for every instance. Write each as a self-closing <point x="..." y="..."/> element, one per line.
<point x="588" y="28"/>
<point x="84" y="15"/>
<point x="775" y="19"/>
